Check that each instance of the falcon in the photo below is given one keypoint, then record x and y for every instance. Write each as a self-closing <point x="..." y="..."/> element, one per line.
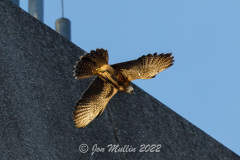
<point x="110" y="79"/>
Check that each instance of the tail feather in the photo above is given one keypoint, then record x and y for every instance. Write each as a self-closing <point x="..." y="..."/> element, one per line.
<point x="99" y="57"/>
<point x="83" y="70"/>
<point x="90" y="62"/>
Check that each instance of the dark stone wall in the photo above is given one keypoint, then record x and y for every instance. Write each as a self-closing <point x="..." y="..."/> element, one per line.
<point x="38" y="94"/>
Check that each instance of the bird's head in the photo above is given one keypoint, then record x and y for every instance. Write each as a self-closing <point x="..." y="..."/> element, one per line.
<point x="130" y="89"/>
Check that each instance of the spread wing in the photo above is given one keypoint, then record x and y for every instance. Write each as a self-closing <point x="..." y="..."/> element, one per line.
<point x="93" y="102"/>
<point x="145" y="67"/>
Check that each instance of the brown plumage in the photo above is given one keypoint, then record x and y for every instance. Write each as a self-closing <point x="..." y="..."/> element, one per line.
<point x="111" y="79"/>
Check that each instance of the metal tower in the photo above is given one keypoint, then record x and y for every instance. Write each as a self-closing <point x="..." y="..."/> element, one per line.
<point x="63" y="26"/>
<point x="35" y="8"/>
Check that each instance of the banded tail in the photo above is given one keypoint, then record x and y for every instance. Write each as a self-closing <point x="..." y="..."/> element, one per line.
<point x="90" y="62"/>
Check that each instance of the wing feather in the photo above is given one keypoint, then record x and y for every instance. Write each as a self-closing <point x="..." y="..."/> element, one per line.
<point x="93" y="102"/>
<point x="145" y="67"/>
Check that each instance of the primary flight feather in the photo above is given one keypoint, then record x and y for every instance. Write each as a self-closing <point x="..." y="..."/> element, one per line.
<point x="111" y="79"/>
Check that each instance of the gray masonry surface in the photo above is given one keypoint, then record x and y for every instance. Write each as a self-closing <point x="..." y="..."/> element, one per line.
<point x="38" y="94"/>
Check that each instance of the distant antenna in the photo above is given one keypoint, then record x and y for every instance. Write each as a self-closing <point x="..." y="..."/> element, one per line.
<point x="62" y="9"/>
<point x="63" y="25"/>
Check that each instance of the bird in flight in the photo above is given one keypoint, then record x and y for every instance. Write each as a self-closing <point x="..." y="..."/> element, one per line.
<point x="111" y="79"/>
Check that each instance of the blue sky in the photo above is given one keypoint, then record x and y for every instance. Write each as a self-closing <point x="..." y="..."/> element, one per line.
<point x="203" y="85"/>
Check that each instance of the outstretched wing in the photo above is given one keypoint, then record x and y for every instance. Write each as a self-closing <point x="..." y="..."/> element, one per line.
<point x="93" y="102"/>
<point x="145" y="67"/>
